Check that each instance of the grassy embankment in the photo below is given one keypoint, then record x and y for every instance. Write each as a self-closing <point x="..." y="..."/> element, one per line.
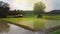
<point x="56" y="32"/>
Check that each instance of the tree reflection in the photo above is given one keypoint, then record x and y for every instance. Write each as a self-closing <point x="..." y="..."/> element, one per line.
<point x="4" y="27"/>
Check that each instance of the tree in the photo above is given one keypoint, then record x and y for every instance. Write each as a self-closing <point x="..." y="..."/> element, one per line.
<point x="39" y="8"/>
<point x="4" y="8"/>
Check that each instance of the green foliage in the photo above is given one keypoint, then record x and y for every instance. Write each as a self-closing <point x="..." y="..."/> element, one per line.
<point x="52" y="17"/>
<point x="39" y="7"/>
<point x="4" y="9"/>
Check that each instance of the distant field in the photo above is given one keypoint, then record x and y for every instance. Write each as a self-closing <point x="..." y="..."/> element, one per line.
<point x="37" y="23"/>
<point x="53" y="17"/>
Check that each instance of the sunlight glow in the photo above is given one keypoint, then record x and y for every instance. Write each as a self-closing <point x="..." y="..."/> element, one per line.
<point x="23" y="4"/>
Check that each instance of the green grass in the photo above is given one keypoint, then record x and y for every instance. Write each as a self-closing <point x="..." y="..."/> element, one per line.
<point x="56" y="32"/>
<point x="37" y="23"/>
<point x="53" y="17"/>
<point x="17" y="19"/>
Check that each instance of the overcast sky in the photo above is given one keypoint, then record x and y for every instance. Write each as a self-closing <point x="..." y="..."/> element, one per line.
<point x="29" y="4"/>
<point x="56" y="4"/>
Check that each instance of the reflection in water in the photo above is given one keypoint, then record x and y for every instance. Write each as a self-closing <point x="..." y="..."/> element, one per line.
<point x="4" y="27"/>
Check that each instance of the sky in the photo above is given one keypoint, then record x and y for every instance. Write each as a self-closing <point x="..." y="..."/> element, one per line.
<point x="56" y="4"/>
<point x="29" y="4"/>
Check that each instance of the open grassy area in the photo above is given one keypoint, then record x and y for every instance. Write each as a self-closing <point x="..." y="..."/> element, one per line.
<point x="56" y="32"/>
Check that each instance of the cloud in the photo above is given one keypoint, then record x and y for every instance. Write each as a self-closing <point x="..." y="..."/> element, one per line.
<point x="56" y="4"/>
<point x="22" y="4"/>
<point x="29" y="4"/>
